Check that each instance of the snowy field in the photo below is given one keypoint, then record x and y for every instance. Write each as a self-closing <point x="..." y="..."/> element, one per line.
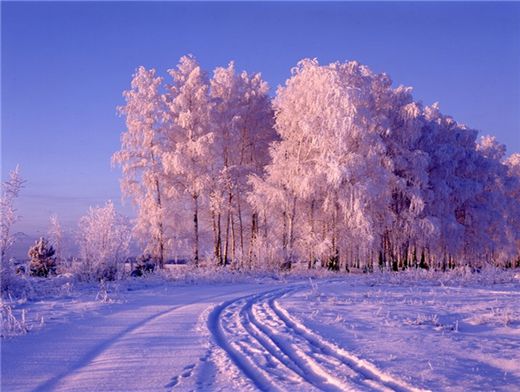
<point x="377" y="332"/>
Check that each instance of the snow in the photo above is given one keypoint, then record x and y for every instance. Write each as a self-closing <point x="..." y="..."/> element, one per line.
<point x="433" y="337"/>
<point x="377" y="332"/>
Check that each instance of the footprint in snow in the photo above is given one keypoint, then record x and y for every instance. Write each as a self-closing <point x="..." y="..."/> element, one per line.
<point x="187" y="371"/>
<point x="173" y="382"/>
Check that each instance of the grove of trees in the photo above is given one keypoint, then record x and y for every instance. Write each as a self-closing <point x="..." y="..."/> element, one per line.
<point x="339" y="170"/>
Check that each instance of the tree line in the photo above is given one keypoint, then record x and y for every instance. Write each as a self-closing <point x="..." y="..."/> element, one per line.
<point x="338" y="170"/>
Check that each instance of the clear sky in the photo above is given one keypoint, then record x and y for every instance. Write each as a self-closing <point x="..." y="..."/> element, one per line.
<point x="65" y="65"/>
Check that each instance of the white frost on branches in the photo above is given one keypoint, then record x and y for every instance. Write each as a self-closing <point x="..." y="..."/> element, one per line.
<point x="104" y="238"/>
<point x="339" y="169"/>
<point x="10" y="191"/>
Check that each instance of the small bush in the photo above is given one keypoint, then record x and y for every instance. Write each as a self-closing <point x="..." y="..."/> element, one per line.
<point x="42" y="257"/>
<point x="333" y="263"/>
<point x="10" y="324"/>
<point x="104" y="238"/>
<point x="145" y="264"/>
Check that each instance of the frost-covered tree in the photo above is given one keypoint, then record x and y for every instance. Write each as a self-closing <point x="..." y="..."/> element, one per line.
<point x="358" y="174"/>
<point x="242" y="121"/>
<point x="10" y="191"/>
<point x="140" y="157"/>
<point x="43" y="262"/>
<point x="513" y="210"/>
<point x="189" y="161"/>
<point x="487" y="235"/>
<point x="194" y="145"/>
<point x="363" y="173"/>
<point x="104" y="238"/>
<point x="398" y="123"/>
<point x="328" y="174"/>
<point x="55" y="235"/>
<point x="445" y="143"/>
<point x="459" y="177"/>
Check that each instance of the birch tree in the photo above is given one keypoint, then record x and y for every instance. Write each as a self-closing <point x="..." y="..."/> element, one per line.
<point x="513" y="215"/>
<point x="10" y="191"/>
<point x="340" y="169"/>
<point x="329" y="160"/>
<point x="8" y="217"/>
<point x="189" y="160"/>
<point x="55" y="235"/>
<point x="243" y="126"/>
<point x="140" y="158"/>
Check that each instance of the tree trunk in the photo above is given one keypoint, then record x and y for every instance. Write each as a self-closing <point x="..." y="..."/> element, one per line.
<point x="311" y="250"/>
<point x="241" y="224"/>
<point x="333" y="263"/>
<point x="233" y="241"/>
<point x="228" y="227"/>
<point x="219" y="242"/>
<point x="254" y="229"/>
<point x="161" y="228"/>
<point x="291" y="232"/>
<point x="284" y="234"/>
<point x="196" y="230"/>
<point x="161" y="246"/>
<point x="216" y="237"/>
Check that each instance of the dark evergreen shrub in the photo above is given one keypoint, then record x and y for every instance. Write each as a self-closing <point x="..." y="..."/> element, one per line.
<point x="42" y="257"/>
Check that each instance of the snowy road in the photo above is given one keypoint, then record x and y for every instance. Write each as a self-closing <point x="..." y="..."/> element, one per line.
<point x="265" y="336"/>
<point x="140" y="345"/>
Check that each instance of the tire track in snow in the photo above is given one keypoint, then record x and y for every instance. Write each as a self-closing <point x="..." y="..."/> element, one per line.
<point x="366" y="370"/>
<point x="277" y="352"/>
<point x="295" y="349"/>
<point x="224" y="318"/>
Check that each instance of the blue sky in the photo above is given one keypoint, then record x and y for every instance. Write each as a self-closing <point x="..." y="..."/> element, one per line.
<point x="65" y="65"/>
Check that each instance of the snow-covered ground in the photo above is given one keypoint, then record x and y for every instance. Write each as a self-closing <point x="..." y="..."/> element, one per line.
<point x="370" y="332"/>
<point x="431" y="337"/>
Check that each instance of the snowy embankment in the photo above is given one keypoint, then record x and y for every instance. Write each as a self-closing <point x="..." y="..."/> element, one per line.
<point x="378" y="332"/>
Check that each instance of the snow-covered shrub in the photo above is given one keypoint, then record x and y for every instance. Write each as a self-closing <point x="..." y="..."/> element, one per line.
<point x="104" y="238"/>
<point x="15" y="285"/>
<point x="42" y="257"/>
<point x="11" y="325"/>
<point x="333" y="263"/>
<point x="145" y="264"/>
<point x="107" y="292"/>
<point x="7" y="275"/>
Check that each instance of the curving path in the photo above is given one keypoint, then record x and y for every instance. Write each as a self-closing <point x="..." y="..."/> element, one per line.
<point x="136" y="345"/>
<point x="191" y="338"/>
